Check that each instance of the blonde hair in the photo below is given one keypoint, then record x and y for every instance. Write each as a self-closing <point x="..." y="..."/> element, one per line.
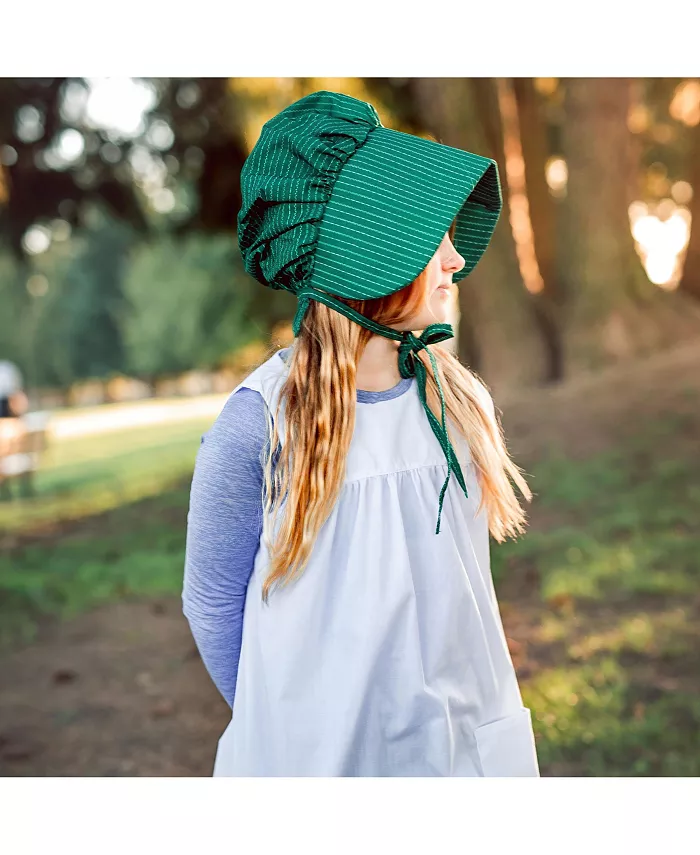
<point x="319" y="397"/>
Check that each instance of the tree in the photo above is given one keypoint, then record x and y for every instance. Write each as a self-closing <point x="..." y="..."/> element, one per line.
<point x="501" y="340"/>
<point x="613" y="310"/>
<point x="32" y="119"/>
<point x="535" y="146"/>
<point x="193" y="131"/>
<point x="690" y="282"/>
<point x="188" y="304"/>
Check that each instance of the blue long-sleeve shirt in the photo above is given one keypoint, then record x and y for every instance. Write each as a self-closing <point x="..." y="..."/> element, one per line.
<point x="224" y="526"/>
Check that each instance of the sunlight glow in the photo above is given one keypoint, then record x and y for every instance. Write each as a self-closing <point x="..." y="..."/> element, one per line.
<point x="119" y="105"/>
<point x="685" y="104"/>
<point x="661" y="236"/>
<point x="519" y="207"/>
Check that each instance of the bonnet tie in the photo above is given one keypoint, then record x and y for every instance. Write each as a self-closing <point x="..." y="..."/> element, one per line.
<point x="409" y="366"/>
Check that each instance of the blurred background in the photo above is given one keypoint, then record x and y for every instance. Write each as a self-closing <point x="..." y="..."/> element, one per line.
<point x="126" y="317"/>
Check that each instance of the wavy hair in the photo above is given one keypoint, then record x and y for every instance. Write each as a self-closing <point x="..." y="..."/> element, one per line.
<point x="301" y="487"/>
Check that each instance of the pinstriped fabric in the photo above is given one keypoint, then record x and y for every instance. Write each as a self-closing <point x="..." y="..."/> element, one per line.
<point x="391" y="206"/>
<point x="333" y="199"/>
<point x="287" y="180"/>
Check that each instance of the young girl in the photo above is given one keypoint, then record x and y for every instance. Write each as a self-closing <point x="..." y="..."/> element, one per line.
<point x="351" y="632"/>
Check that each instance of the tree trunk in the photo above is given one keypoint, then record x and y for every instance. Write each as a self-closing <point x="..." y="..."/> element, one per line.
<point x="535" y="151"/>
<point x="690" y="282"/>
<point x="535" y="146"/>
<point x="498" y="338"/>
<point x="613" y="311"/>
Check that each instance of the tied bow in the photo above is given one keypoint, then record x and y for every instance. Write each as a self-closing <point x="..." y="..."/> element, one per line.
<point x="409" y="366"/>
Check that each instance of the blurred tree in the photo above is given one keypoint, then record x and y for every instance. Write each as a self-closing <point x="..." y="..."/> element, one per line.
<point x="76" y="331"/>
<point x="94" y="300"/>
<point x="535" y="145"/>
<point x="55" y="155"/>
<point x="690" y="281"/>
<point x="12" y="300"/>
<point x="208" y="119"/>
<point x="501" y="340"/>
<point x="613" y="310"/>
<point x="684" y="104"/>
<point x="39" y="183"/>
<point x="189" y="305"/>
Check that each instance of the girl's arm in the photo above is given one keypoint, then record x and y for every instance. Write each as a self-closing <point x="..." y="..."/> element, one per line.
<point x="224" y="525"/>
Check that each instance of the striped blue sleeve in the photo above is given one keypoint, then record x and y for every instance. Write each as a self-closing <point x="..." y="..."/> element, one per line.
<point x="224" y="525"/>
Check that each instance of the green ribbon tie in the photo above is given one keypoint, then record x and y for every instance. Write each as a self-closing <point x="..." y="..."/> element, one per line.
<point x="409" y="366"/>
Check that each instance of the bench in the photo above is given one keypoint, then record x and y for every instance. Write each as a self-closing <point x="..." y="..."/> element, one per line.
<point x="22" y="441"/>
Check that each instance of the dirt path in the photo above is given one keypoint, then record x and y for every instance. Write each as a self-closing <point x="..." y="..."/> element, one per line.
<point x="119" y="691"/>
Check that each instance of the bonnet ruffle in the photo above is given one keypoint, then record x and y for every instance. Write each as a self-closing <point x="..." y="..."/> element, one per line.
<point x="287" y="182"/>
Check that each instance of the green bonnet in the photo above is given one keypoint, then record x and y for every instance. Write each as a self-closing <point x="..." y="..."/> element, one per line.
<point x="336" y="205"/>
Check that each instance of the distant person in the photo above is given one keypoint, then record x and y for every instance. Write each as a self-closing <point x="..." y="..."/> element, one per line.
<point x="13" y="405"/>
<point x="352" y="632"/>
<point x="13" y="400"/>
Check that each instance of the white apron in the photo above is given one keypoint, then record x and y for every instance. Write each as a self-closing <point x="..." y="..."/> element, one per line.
<point x="387" y="657"/>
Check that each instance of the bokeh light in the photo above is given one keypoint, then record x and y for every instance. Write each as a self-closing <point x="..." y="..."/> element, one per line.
<point x="557" y="176"/>
<point x="160" y="135"/>
<point x="639" y="118"/>
<point x="37" y="239"/>
<point x="60" y="230"/>
<point x="71" y="145"/>
<point x="685" y="104"/>
<point x="163" y="200"/>
<point x="682" y="192"/>
<point x="119" y="105"/>
<point x="546" y="85"/>
<point x="29" y="124"/>
<point x="8" y="155"/>
<point x="37" y="285"/>
<point x="661" y="236"/>
<point x="187" y="95"/>
<point x="74" y="102"/>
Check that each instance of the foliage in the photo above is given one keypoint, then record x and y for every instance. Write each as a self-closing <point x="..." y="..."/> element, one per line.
<point x="189" y="304"/>
<point x="13" y="305"/>
<point x="114" y="305"/>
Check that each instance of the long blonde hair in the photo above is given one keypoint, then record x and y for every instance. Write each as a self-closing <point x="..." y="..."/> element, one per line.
<point x="319" y="397"/>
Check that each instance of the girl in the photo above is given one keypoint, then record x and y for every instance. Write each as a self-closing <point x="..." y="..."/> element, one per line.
<point x="351" y="634"/>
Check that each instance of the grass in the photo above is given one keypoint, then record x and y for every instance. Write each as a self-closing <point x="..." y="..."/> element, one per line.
<point x="602" y="594"/>
<point x="83" y="477"/>
<point x="107" y="522"/>
<point x="612" y="671"/>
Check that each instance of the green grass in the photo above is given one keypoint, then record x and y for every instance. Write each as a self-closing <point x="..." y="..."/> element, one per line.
<point x="83" y="477"/>
<point x="610" y="621"/>
<point x="108" y="521"/>
<point x="614" y="555"/>
<point x="595" y="720"/>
